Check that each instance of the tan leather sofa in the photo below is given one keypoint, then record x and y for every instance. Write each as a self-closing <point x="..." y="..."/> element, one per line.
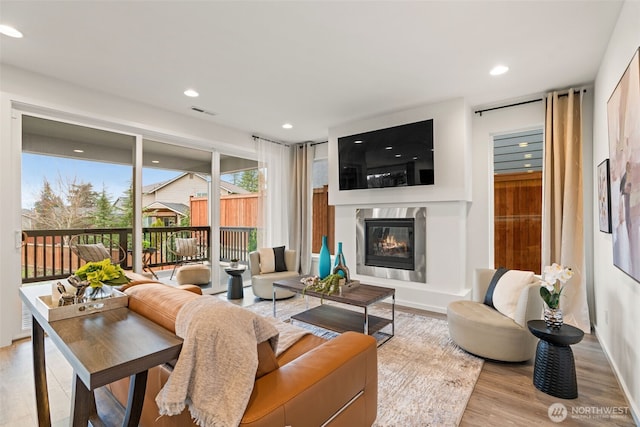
<point x="262" y="283"/>
<point x="313" y="382"/>
<point x="485" y="332"/>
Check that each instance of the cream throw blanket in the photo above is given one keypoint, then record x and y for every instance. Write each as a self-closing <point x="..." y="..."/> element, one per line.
<point x="215" y="372"/>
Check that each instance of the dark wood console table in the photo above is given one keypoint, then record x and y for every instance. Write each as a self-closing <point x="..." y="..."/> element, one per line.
<point x="101" y="348"/>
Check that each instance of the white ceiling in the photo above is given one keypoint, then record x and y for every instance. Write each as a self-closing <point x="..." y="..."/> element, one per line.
<point x="259" y="64"/>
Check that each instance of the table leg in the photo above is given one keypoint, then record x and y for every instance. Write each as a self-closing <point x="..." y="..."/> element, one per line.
<point x="393" y="315"/>
<point x="83" y="403"/>
<point x="366" y="321"/>
<point x="40" y="374"/>
<point x="274" y="301"/>
<point x="137" y="387"/>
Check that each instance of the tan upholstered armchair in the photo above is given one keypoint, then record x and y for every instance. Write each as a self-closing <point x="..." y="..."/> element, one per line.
<point x="262" y="281"/>
<point x="484" y="331"/>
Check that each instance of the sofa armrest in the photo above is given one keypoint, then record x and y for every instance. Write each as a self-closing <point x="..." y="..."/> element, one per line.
<point x="332" y="375"/>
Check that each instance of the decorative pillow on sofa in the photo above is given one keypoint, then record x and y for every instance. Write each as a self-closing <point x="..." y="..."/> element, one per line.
<point x="272" y="260"/>
<point x="508" y="290"/>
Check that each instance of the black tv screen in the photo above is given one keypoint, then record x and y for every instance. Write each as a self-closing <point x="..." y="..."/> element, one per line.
<point x="398" y="156"/>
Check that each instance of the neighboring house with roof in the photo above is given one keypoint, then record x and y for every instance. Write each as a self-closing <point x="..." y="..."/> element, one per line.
<point x="170" y="200"/>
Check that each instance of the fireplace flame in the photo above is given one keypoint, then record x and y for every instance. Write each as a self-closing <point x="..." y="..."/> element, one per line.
<point x="390" y="243"/>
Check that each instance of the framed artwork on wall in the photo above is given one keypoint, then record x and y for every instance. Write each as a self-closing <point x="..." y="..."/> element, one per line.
<point x="623" y="117"/>
<point x="604" y="197"/>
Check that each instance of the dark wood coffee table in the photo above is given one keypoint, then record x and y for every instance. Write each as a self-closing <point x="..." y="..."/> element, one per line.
<point x="340" y="319"/>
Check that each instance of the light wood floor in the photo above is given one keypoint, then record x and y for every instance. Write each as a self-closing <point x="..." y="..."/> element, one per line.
<point x="504" y="394"/>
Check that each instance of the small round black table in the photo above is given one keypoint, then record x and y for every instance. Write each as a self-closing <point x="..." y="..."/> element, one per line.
<point x="234" y="283"/>
<point x="554" y="371"/>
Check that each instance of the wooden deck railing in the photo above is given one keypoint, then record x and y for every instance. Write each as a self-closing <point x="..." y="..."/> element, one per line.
<point x="46" y="254"/>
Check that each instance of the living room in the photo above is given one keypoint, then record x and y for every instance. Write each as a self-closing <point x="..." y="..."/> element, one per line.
<point x="459" y="238"/>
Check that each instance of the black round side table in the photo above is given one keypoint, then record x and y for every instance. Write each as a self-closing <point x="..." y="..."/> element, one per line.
<point x="554" y="371"/>
<point x="234" y="283"/>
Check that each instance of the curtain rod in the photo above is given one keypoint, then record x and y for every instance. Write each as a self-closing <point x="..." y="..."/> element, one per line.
<point x="269" y="140"/>
<point x="523" y="103"/>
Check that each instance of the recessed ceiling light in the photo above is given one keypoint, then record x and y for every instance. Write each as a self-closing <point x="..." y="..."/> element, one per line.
<point x="191" y="93"/>
<point x="78" y="151"/>
<point x="357" y="142"/>
<point x="528" y="156"/>
<point x="523" y="144"/>
<point x="527" y="165"/>
<point x="415" y="157"/>
<point x="287" y="126"/>
<point x="530" y="171"/>
<point x="398" y="155"/>
<point x="155" y="161"/>
<point x="388" y="148"/>
<point x="10" y="31"/>
<point x="498" y="70"/>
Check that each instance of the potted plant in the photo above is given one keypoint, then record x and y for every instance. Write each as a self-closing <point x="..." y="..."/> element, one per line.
<point x="99" y="276"/>
<point x="233" y="263"/>
<point x="554" y="277"/>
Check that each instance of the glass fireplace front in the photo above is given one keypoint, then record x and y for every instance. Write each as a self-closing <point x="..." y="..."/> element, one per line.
<point x="390" y="243"/>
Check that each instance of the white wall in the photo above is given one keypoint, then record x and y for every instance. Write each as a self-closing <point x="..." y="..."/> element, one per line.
<point x="445" y="202"/>
<point x="617" y="296"/>
<point x="63" y="100"/>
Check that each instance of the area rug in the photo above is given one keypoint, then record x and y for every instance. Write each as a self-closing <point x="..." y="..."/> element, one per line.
<point x="424" y="379"/>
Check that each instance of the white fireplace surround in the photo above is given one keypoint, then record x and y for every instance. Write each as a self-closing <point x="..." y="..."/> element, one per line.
<point x="419" y="274"/>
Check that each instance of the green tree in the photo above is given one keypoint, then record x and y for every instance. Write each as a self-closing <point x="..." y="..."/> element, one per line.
<point x="126" y="213"/>
<point x="249" y="180"/>
<point x="103" y="216"/>
<point x="185" y="221"/>
<point x="47" y="207"/>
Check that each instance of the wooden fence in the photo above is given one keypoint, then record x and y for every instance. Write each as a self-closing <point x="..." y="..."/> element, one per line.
<point x="241" y="210"/>
<point x="518" y="221"/>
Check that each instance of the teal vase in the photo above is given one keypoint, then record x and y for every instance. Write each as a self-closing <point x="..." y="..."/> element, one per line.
<point x="339" y="257"/>
<point x="324" y="262"/>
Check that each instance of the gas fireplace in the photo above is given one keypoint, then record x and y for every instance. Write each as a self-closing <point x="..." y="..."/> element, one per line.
<point x="390" y="243"/>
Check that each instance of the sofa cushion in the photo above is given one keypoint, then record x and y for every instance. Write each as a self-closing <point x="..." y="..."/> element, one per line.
<point x="508" y="290"/>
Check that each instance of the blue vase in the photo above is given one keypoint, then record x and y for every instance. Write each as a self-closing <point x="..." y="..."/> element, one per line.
<point x="324" y="262"/>
<point x="339" y="257"/>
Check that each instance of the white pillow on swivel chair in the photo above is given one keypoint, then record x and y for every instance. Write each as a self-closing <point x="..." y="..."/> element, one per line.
<point x="508" y="290"/>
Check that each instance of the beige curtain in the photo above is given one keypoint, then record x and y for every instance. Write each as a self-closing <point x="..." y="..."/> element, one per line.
<point x="302" y="203"/>
<point x="562" y="218"/>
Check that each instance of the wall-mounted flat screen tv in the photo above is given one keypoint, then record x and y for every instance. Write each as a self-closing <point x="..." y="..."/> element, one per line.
<point x="398" y="156"/>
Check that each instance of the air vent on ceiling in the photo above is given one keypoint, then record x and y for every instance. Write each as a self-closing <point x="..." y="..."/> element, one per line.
<point x="202" y="110"/>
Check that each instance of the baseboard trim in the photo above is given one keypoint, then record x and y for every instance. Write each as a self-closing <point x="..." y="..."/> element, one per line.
<point x="635" y="411"/>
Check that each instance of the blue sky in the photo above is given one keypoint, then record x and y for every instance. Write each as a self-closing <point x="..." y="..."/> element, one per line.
<point x="115" y="178"/>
